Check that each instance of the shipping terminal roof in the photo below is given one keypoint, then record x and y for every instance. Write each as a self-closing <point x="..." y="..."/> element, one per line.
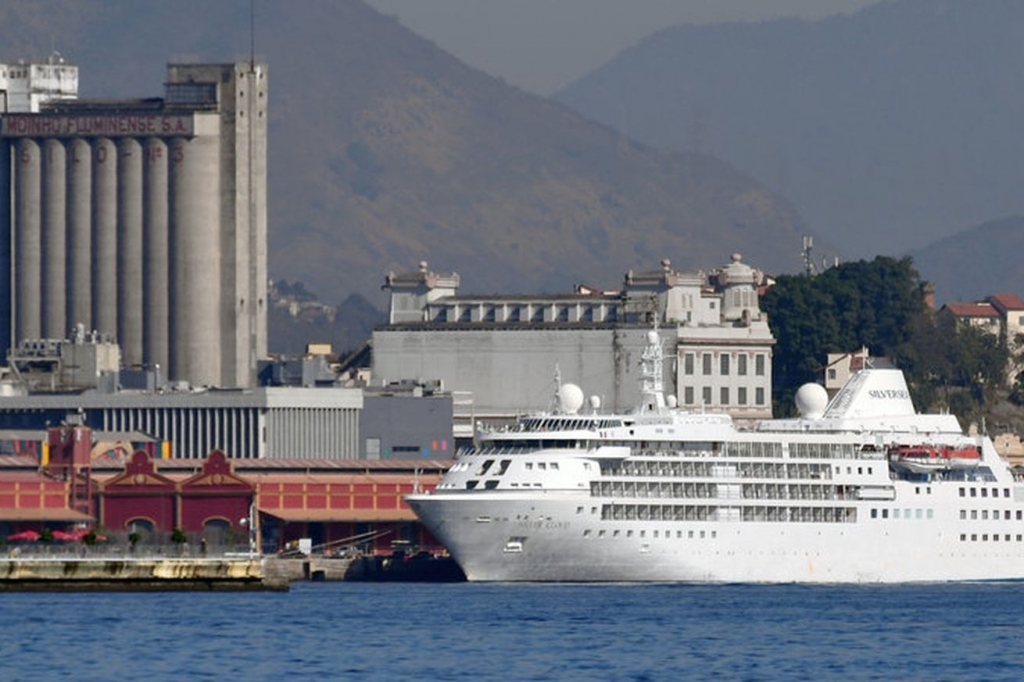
<point x="336" y="515"/>
<point x="42" y="514"/>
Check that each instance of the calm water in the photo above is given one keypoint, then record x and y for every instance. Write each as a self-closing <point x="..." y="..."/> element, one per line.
<point x="520" y="632"/>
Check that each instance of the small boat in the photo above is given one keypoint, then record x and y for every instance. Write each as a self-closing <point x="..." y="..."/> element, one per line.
<point x="925" y="459"/>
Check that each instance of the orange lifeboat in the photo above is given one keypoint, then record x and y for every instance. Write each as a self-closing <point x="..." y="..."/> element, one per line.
<point x="925" y="459"/>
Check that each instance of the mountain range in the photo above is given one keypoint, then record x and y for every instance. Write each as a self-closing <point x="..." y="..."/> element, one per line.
<point x="890" y="129"/>
<point x="385" y="150"/>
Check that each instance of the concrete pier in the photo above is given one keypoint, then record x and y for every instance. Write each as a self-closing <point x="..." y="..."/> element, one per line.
<point x="129" y="574"/>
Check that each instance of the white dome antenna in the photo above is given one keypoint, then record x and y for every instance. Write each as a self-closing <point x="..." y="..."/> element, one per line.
<point x="570" y="398"/>
<point x="811" y="401"/>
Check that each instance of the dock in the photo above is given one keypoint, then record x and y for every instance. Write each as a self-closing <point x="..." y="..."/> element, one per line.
<point x="98" y="574"/>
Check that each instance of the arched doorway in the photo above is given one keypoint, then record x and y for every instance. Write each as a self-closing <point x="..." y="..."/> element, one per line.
<point x="141" y="531"/>
<point x="217" y="532"/>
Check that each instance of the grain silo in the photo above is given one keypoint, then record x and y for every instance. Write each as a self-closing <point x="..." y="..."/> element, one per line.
<point x="144" y="220"/>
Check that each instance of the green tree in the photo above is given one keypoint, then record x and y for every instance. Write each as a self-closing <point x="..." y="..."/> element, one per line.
<point x="872" y="304"/>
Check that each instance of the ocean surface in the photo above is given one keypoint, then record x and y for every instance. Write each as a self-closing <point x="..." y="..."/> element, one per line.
<point x="365" y="631"/>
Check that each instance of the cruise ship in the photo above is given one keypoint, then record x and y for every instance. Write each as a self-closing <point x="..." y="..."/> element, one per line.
<point x="859" y="489"/>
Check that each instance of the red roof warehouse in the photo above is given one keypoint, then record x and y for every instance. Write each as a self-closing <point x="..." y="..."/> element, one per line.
<point x="216" y="502"/>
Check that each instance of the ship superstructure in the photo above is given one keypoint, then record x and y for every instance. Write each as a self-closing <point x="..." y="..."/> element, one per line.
<point x="838" y="494"/>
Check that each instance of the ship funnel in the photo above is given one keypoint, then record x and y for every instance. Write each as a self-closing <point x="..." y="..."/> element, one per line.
<point x="873" y="393"/>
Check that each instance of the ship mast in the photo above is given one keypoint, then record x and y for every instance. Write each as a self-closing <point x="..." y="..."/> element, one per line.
<point x="652" y="389"/>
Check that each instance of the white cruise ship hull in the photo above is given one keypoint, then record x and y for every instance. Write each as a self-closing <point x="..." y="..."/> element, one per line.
<point x="505" y="538"/>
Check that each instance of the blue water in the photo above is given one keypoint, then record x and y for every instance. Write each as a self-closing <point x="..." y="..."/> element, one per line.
<point x="360" y="631"/>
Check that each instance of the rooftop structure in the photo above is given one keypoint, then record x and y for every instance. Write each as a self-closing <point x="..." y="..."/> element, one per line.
<point x="498" y="354"/>
<point x="26" y="86"/>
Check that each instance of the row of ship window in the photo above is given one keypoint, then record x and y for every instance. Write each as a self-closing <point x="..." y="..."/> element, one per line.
<point x="983" y="515"/>
<point x="715" y="469"/>
<point x="965" y="514"/>
<point x="690" y="534"/>
<point x="907" y="513"/>
<point x="984" y="492"/>
<point x="692" y="512"/>
<point x="985" y="537"/>
<point x="701" y="490"/>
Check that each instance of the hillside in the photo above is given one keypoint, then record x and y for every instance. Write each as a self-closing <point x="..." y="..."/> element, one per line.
<point x="385" y="150"/>
<point x="976" y="263"/>
<point x="888" y="129"/>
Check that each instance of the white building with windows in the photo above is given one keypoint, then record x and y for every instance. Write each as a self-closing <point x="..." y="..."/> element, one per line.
<point x="498" y="355"/>
<point x="26" y="86"/>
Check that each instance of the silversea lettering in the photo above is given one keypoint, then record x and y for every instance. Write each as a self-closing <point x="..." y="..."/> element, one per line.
<point x="892" y="394"/>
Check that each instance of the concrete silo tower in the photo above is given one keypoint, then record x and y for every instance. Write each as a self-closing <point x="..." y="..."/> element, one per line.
<point x="145" y="221"/>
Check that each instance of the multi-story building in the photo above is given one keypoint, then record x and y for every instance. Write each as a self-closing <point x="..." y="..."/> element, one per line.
<point x="999" y="314"/>
<point x="27" y="86"/>
<point x="498" y="355"/>
<point x="142" y="220"/>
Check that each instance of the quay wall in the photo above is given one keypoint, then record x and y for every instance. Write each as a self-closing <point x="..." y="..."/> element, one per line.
<point x="83" y="574"/>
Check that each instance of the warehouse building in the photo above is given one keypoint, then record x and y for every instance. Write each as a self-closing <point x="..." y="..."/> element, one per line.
<point x="498" y="355"/>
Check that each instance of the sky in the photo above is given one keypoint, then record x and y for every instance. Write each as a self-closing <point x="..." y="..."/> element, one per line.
<point x="543" y="45"/>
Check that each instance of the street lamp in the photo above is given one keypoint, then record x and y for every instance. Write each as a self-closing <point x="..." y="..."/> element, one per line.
<point x="250" y="523"/>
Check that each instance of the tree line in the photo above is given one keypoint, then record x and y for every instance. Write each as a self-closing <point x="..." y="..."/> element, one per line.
<point x="881" y="305"/>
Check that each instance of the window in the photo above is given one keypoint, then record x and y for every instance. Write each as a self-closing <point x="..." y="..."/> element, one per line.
<point x="759" y="396"/>
<point x="707" y="364"/>
<point x="724" y="363"/>
<point x="706" y="395"/>
<point x="688" y="395"/>
<point x="741" y="364"/>
<point x="741" y="394"/>
<point x="688" y="364"/>
<point x="831" y="374"/>
<point x="759" y="365"/>
<point x="725" y="395"/>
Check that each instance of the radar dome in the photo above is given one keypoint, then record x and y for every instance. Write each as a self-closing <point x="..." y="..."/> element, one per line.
<point x="671" y="401"/>
<point x="595" y="402"/>
<point x="811" y="401"/>
<point x="570" y="398"/>
<point x="652" y="337"/>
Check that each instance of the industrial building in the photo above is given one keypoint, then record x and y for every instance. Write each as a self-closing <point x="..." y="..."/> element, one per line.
<point x="216" y="501"/>
<point x="77" y="382"/>
<point x="498" y="355"/>
<point x="141" y="220"/>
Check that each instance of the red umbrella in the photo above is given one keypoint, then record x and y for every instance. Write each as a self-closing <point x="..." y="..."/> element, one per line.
<point x="63" y="536"/>
<point x="25" y="535"/>
<point x="82" y="533"/>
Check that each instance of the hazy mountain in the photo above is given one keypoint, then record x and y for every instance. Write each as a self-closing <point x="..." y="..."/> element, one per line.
<point x="976" y="263"/>
<point x="888" y="128"/>
<point x="385" y="150"/>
